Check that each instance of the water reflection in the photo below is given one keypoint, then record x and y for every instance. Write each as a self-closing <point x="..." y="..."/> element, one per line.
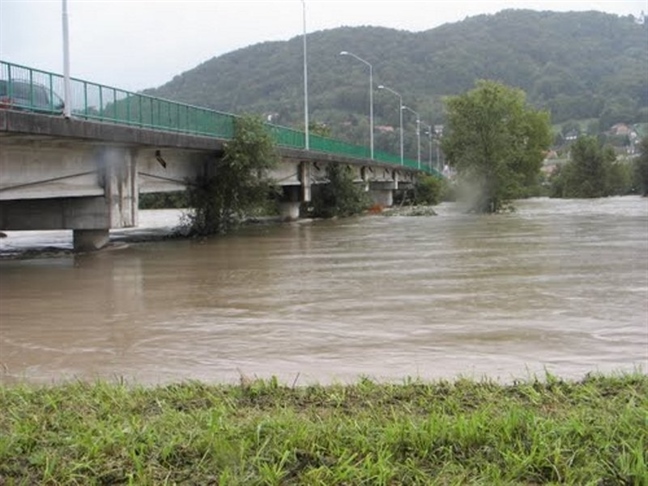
<point x="557" y="285"/>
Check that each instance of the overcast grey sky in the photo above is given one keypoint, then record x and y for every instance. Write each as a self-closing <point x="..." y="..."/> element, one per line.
<point x="137" y="44"/>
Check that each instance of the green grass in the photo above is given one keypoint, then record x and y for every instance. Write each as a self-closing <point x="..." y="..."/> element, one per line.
<point x="546" y="431"/>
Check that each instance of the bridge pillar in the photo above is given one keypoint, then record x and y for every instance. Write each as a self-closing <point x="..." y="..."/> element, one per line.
<point x="305" y="172"/>
<point x="382" y="193"/>
<point x="117" y="174"/>
<point x="120" y="184"/>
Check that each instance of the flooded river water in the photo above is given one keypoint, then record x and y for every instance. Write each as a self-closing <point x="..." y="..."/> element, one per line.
<point x="558" y="285"/>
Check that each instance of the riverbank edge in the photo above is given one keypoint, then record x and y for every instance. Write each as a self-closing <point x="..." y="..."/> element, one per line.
<point x="263" y="432"/>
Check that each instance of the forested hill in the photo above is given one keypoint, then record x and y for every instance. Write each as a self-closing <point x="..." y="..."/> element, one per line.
<point x="578" y="65"/>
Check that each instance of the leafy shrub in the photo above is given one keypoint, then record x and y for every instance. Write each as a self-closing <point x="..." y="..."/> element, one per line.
<point x="340" y="197"/>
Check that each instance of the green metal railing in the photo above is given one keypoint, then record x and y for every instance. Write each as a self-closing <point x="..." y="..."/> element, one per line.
<point x="31" y="89"/>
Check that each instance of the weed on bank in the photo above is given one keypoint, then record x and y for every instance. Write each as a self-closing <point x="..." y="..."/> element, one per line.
<point x="262" y="432"/>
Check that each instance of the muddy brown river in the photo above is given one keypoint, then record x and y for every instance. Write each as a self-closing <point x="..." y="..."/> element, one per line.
<point x="558" y="286"/>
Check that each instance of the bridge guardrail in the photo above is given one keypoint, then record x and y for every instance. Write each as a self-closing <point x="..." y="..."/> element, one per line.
<point x="41" y="91"/>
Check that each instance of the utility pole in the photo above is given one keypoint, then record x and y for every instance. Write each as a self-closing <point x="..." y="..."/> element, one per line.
<point x="306" y="134"/>
<point x="67" y="107"/>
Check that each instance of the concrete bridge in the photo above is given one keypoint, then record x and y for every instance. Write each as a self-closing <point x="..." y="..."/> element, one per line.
<point x="85" y="173"/>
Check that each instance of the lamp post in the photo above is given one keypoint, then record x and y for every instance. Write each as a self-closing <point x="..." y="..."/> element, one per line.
<point x="438" y="130"/>
<point x="306" y="134"/>
<point x="67" y="105"/>
<point x="400" y="112"/>
<point x="418" y="134"/>
<point x="429" y="134"/>
<point x="371" y="104"/>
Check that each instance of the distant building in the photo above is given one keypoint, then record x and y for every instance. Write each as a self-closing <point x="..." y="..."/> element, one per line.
<point x="571" y="135"/>
<point x="620" y="129"/>
<point x="549" y="169"/>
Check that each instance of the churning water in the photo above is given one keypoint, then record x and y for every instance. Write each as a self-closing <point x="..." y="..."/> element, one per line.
<point x="558" y="285"/>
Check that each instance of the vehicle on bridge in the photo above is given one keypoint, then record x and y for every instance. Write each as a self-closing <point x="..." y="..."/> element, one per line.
<point x="25" y="95"/>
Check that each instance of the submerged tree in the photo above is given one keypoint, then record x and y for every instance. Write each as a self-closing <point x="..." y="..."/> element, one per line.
<point x="590" y="172"/>
<point x="238" y="182"/>
<point x="429" y="190"/>
<point x="496" y="142"/>
<point x="341" y="196"/>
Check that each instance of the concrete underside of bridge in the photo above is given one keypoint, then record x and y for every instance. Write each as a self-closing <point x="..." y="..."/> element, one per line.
<point x="73" y="174"/>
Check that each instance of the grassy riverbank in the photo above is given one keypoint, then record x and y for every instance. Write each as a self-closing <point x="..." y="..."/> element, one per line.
<point x="462" y="432"/>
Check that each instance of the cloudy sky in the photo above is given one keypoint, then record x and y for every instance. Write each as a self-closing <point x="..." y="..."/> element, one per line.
<point x="137" y="44"/>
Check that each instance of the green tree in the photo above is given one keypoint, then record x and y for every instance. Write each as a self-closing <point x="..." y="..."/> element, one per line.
<point x="496" y="142"/>
<point x="341" y="196"/>
<point x="619" y="178"/>
<point x="429" y="190"/>
<point x="641" y="166"/>
<point x="589" y="173"/>
<point x="238" y="182"/>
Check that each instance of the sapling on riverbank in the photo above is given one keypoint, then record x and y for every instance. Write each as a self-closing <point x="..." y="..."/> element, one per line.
<point x="237" y="183"/>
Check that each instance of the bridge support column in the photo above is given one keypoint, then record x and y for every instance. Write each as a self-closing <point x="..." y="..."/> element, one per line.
<point x="90" y="240"/>
<point x="305" y="179"/>
<point x="382" y="193"/>
<point x="119" y="171"/>
<point x="118" y="176"/>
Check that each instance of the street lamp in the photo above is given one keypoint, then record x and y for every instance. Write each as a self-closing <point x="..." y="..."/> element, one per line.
<point x="438" y="130"/>
<point x="67" y="105"/>
<point x="306" y="134"/>
<point x="400" y="111"/>
<point x="429" y="134"/>
<point x="418" y="133"/>
<point x="371" y="107"/>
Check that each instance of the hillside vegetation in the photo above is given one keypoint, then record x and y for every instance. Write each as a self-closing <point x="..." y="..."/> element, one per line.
<point x="579" y="65"/>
